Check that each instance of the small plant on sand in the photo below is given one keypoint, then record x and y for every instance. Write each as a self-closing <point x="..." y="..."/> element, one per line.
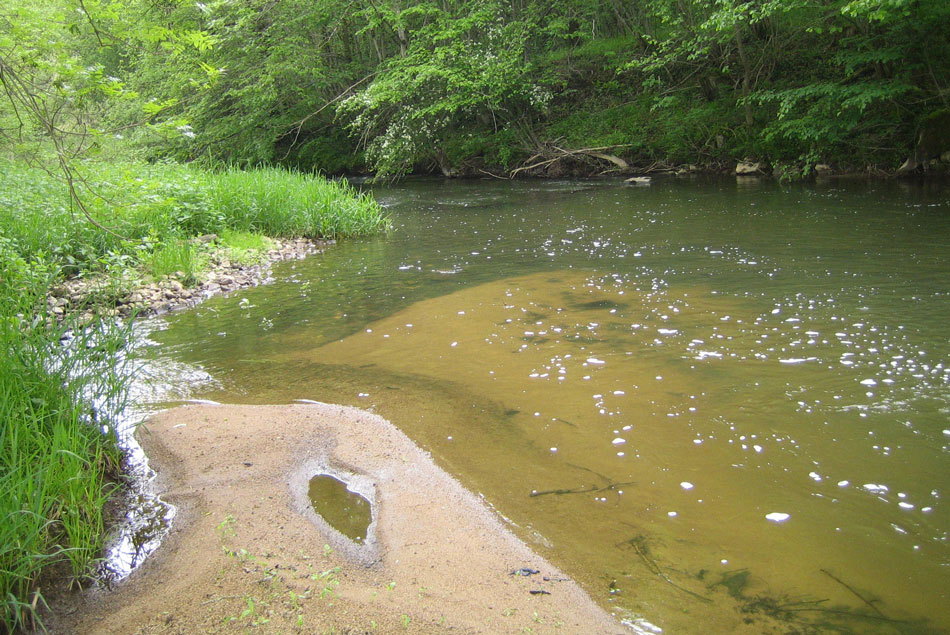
<point x="226" y="528"/>
<point x="296" y="605"/>
<point x="251" y="613"/>
<point x="329" y="579"/>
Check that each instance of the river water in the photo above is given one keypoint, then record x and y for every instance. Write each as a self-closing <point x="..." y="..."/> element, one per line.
<point x="719" y="405"/>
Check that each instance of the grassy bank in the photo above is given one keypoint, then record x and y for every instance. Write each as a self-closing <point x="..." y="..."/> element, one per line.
<point x="61" y="384"/>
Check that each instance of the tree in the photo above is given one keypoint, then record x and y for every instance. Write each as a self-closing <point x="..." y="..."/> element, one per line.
<point x="56" y="84"/>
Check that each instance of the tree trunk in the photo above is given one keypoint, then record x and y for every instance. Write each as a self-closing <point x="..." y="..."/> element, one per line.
<point x="746" y="77"/>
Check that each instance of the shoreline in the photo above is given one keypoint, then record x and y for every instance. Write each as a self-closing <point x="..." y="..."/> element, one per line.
<point x="77" y="295"/>
<point x="247" y="549"/>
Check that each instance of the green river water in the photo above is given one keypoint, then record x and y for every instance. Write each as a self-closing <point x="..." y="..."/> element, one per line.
<point x="720" y="406"/>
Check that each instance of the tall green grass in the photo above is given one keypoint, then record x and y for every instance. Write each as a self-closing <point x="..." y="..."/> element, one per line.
<point x="58" y="385"/>
<point x="61" y="383"/>
<point x="147" y="205"/>
<point x="279" y="202"/>
<point x="176" y="257"/>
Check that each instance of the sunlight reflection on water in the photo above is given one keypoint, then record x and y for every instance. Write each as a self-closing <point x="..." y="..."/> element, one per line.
<point x="581" y="354"/>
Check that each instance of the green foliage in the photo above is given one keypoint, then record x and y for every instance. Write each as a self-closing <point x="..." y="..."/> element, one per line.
<point x="153" y="209"/>
<point x="458" y="70"/>
<point x="55" y="461"/>
<point x="174" y="258"/>
<point x="424" y="85"/>
<point x="283" y="203"/>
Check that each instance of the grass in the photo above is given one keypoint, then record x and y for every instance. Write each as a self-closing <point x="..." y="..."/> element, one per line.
<point x="62" y="383"/>
<point x="290" y="204"/>
<point x="57" y="387"/>
<point x="151" y="209"/>
<point x="176" y="258"/>
<point x="245" y="248"/>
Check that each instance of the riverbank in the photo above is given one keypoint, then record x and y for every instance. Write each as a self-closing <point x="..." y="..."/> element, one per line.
<point x="221" y="274"/>
<point x="246" y="548"/>
<point x="122" y="239"/>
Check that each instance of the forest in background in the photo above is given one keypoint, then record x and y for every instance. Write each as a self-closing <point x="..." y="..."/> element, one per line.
<point x="472" y="86"/>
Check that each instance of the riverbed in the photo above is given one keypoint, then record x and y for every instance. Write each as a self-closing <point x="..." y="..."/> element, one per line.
<point x="710" y="401"/>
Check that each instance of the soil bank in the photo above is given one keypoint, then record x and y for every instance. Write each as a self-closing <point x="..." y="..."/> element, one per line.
<point x="246" y="549"/>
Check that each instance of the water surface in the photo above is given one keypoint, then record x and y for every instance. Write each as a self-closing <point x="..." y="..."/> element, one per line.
<point x="711" y="402"/>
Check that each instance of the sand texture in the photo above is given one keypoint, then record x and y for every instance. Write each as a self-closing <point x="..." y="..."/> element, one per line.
<point x="247" y="552"/>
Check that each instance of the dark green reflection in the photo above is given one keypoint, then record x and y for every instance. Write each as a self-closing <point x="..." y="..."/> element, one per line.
<point x="346" y="511"/>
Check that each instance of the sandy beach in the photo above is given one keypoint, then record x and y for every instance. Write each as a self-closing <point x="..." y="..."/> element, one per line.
<point x="246" y="551"/>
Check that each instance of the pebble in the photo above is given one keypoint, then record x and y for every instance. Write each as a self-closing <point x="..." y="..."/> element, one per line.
<point x="170" y="294"/>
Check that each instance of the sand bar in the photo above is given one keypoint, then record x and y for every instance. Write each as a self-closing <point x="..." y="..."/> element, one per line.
<point x="247" y="551"/>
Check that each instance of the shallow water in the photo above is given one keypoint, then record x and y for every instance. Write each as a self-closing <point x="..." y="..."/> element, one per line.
<point x="711" y="402"/>
<point x="346" y="511"/>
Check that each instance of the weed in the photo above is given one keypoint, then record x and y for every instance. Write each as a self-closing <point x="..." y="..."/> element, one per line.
<point x="226" y="528"/>
<point x="55" y="460"/>
<point x="177" y="258"/>
<point x="329" y="579"/>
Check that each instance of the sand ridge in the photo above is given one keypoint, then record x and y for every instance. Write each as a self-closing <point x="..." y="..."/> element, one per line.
<point x="246" y="549"/>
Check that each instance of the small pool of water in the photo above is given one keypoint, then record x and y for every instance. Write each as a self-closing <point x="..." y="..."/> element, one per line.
<point x="345" y="510"/>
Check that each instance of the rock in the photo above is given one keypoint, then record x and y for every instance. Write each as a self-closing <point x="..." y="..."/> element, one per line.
<point x="933" y="140"/>
<point x="175" y="286"/>
<point x="224" y="279"/>
<point x="746" y="168"/>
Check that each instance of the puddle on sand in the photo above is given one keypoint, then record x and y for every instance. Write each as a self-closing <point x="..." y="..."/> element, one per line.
<point x="345" y="510"/>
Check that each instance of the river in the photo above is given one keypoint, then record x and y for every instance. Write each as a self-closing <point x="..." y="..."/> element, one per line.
<point x="720" y="405"/>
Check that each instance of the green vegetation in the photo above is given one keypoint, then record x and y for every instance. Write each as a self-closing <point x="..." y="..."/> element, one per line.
<point x="289" y="204"/>
<point x="152" y="211"/>
<point x="464" y="86"/>
<point x="110" y="106"/>
<point x="477" y="86"/>
<point x="58" y="385"/>
<point x="62" y="382"/>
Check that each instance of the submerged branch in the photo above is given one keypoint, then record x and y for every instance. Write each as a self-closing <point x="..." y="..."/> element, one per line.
<point x="639" y="546"/>
<point x="853" y="592"/>
<point x="579" y="490"/>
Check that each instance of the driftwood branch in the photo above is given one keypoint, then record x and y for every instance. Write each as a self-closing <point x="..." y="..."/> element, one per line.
<point x="853" y="592"/>
<point x="553" y="154"/>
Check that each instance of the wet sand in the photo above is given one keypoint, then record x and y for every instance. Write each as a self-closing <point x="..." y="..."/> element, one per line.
<point x="246" y="549"/>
